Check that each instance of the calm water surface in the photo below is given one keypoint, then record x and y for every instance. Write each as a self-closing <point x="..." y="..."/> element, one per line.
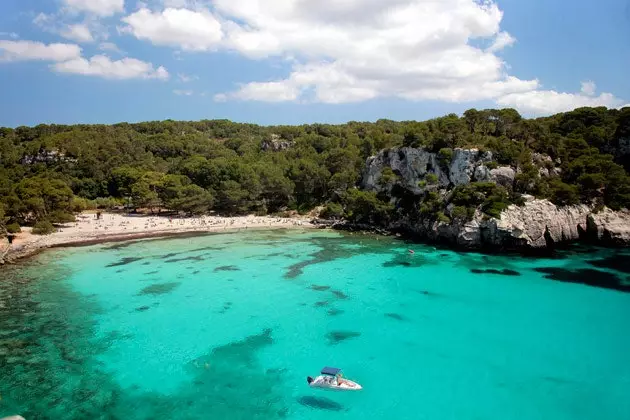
<point x="228" y="327"/>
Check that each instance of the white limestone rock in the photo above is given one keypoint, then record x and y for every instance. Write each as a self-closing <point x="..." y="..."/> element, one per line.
<point x="610" y="227"/>
<point x="503" y="175"/>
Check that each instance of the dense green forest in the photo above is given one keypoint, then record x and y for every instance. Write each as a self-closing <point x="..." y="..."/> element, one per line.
<point x="48" y="172"/>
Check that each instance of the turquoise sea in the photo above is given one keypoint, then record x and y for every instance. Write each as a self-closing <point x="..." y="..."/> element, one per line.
<point x="229" y="326"/>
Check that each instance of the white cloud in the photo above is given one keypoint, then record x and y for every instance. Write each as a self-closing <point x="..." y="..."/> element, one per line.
<point x="109" y="46"/>
<point x="545" y="102"/>
<point x="78" y="32"/>
<point x="267" y="92"/>
<point x="220" y="97"/>
<point x="344" y="51"/>
<point x="89" y="29"/>
<point x="103" y="66"/>
<point x="502" y="40"/>
<point x="183" y="28"/>
<point x="11" y="35"/>
<point x="183" y="92"/>
<point x="97" y="7"/>
<point x="185" y="78"/>
<point x="43" y="20"/>
<point x="589" y="88"/>
<point x="357" y="50"/>
<point x="30" y="50"/>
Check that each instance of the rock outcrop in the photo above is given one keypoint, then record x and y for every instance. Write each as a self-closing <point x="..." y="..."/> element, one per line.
<point x="276" y="144"/>
<point x="503" y="175"/>
<point x="535" y="225"/>
<point x="538" y="224"/>
<point x="413" y="165"/>
<point x="609" y="227"/>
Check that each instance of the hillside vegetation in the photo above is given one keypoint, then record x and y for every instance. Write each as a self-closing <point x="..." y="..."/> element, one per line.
<point x="48" y="172"/>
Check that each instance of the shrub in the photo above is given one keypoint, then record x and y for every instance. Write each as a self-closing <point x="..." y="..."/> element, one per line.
<point x="13" y="228"/>
<point x="442" y="218"/>
<point x="492" y="198"/>
<point x="563" y="194"/>
<point x="61" y="217"/>
<point x="366" y="207"/>
<point x="492" y="165"/>
<point x="304" y="209"/>
<point x="81" y="204"/>
<point x="495" y="208"/>
<point x="422" y="183"/>
<point x="445" y="155"/>
<point x="43" y="227"/>
<point x="431" y="179"/>
<point x="387" y="177"/>
<point x="459" y="213"/>
<point x="332" y="211"/>
<point x="106" y="202"/>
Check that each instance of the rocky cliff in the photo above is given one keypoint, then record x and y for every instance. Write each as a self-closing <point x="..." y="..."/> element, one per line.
<point x="535" y="224"/>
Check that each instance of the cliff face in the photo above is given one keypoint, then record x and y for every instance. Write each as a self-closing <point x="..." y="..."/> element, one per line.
<point x="536" y="224"/>
<point x="413" y="165"/>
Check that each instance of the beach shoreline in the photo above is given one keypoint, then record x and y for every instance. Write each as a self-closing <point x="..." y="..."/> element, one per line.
<point x="113" y="227"/>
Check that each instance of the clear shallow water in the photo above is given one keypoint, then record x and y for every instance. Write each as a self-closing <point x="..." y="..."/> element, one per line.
<point x="229" y="326"/>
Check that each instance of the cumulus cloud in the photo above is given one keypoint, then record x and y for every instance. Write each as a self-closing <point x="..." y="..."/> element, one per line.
<point x="30" y="50"/>
<point x="268" y="92"/>
<point x="103" y="66"/>
<point x="97" y="7"/>
<point x="589" y="88"/>
<point x="180" y="92"/>
<point x="348" y="51"/>
<point x="357" y="50"/>
<point x="545" y="102"/>
<point x="183" y="28"/>
<point x="78" y="32"/>
<point x="89" y="29"/>
<point x="67" y="58"/>
<point x="502" y="41"/>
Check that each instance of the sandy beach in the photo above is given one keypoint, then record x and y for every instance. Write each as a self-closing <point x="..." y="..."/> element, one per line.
<point x="118" y="227"/>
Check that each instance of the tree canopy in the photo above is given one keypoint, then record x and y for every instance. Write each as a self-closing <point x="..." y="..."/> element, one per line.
<point x="235" y="168"/>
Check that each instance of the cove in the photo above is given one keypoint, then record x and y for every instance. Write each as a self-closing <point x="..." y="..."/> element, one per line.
<point x="229" y="326"/>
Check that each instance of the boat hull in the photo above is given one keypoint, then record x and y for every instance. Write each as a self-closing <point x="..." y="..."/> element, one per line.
<point x="322" y="382"/>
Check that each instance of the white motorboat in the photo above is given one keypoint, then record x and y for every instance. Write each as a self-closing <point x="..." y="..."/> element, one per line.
<point x="332" y="378"/>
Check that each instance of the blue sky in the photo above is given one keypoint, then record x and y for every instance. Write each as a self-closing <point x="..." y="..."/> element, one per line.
<point x="277" y="62"/>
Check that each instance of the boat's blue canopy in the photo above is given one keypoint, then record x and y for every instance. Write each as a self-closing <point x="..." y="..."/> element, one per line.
<point x="330" y="371"/>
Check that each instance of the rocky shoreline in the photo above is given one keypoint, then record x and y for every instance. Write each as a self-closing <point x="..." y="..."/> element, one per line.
<point x="537" y="226"/>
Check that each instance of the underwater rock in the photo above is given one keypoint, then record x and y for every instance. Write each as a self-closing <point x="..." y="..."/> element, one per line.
<point x="339" y="294"/>
<point x="124" y="261"/>
<point x="617" y="262"/>
<point x="334" y="312"/>
<point x="336" y="337"/>
<point x="587" y="276"/>
<point x="176" y="260"/>
<point x="397" y="317"/>
<point x="504" y="272"/>
<point x="226" y="268"/>
<point x="159" y="289"/>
